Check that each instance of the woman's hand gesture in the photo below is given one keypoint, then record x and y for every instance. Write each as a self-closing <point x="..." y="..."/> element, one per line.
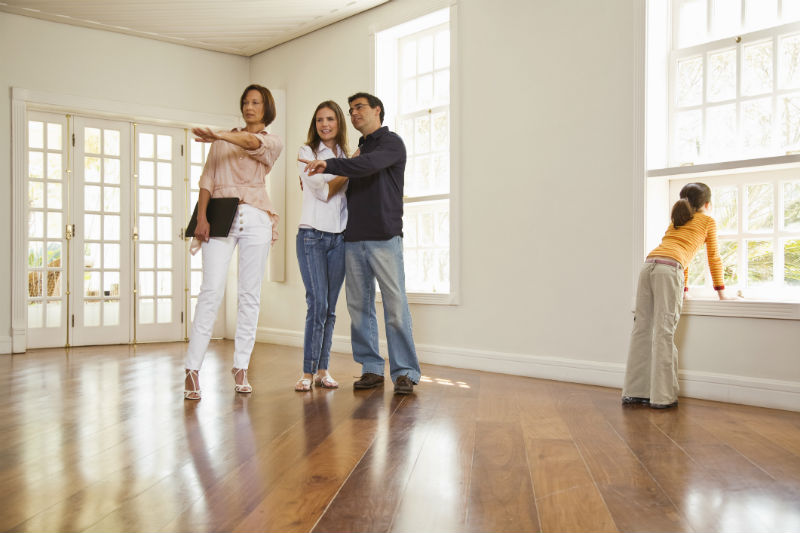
<point x="205" y="135"/>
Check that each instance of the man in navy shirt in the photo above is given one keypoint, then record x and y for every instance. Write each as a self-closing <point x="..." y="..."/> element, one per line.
<point x="374" y="246"/>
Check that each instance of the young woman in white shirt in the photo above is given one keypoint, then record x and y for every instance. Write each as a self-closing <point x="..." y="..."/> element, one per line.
<point x="320" y="242"/>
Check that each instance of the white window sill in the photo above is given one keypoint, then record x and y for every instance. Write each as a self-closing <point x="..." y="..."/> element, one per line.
<point x="742" y="308"/>
<point x="427" y="298"/>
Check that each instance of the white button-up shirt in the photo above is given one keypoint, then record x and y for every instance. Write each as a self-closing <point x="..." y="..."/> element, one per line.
<point x="319" y="212"/>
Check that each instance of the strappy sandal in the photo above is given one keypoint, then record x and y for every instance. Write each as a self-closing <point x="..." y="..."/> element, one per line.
<point x="303" y="385"/>
<point x="193" y="394"/>
<point x="326" y="382"/>
<point x="245" y="386"/>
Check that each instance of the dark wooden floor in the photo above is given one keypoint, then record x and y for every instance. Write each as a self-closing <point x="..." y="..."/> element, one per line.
<point x="100" y="439"/>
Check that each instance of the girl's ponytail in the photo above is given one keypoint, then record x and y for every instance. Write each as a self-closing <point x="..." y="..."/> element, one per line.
<point x="693" y="197"/>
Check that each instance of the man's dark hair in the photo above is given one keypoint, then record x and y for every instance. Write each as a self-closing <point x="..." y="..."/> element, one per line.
<point x="373" y="102"/>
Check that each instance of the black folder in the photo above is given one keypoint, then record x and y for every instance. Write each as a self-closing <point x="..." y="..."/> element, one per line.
<point x="220" y="214"/>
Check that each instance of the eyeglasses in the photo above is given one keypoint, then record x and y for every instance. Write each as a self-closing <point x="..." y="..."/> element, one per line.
<point x="357" y="107"/>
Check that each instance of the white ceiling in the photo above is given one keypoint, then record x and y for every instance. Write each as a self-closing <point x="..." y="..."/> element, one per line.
<point x="242" y="27"/>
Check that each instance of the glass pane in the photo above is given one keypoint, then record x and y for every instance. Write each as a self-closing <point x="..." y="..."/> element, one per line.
<point x="35" y="194"/>
<point x="111" y="199"/>
<point x="54" y="137"/>
<point x="111" y="313"/>
<point x="146" y="311"/>
<point x="111" y="284"/>
<point x="759" y="207"/>
<point x="790" y="121"/>
<point x="35" y="134"/>
<point x="441" y="87"/>
<point x="164" y="147"/>
<point x="425" y="54"/>
<point x="55" y="229"/>
<point x="197" y="280"/>
<point x="196" y="172"/>
<point x="425" y="90"/>
<point x="92" y="227"/>
<point x="147" y="229"/>
<point x="146" y="256"/>
<point x="692" y="22"/>
<point x="722" y="76"/>
<point x="36" y="224"/>
<point x="164" y="201"/>
<point x="791" y="262"/>
<point x="146" y="143"/>
<point x="697" y="268"/>
<point x="790" y="10"/>
<point x="721" y="132"/>
<point x="422" y="135"/>
<point x="111" y="228"/>
<point x="443" y="227"/>
<point x="789" y="62"/>
<point x="791" y="206"/>
<point x="728" y="251"/>
<point x="726" y="208"/>
<point x="53" y="166"/>
<point x="422" y="176"/>
<point x="111" y="255"/>
<point x="442" y="49"/>
<point x="35" y="165"/>
<point x="726" y="17"/>
<point x="146" y="201"/>
<point x="111" y="144"/>
<point x="54" y="196"/>
<point x="441" y="132"/>
<point x="690" y="81"/>
<point x="412" y="269"/>
<point x="146" y="283"/>
<point x="164" y="310"/>
<point x="408" y="59"/>
<point x="146" y="173"/>
<point x="91" y="169"/>
<point x="164" y="256"/>
<point x="54" y="254"/>
<point x="759" y="262"/>
<point x="688" y="128"/>
<point x="760" y="13"/>
<point x="91" y="255"/>
<point x="35" y="284"/>
<point x="91" y="198"/>
<point x="54" y="314"/>
<point x="35" y="254"/>
<point x="197" y="152"/>
<point x="441" y="173"/>
<point x="757" y="126"/>
<point x="164" y="229"/>
<point x="165" y="174"/>
<point x="197" y="261"/>
<point x="111" y="167"/>
<point x="91" y="314"/>
<point x="405" y="130"/>
<point x="91" y="284"/>
<point x="35" y="314"/>
<point x="91" y="141"/>
<point x="164" y="283"/>
<point x="408" y="96"/>
<point x="757" y="69"/>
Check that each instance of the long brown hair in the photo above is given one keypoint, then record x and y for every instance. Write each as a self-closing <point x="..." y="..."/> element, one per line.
<point x="269" y="102"/>
<point x="313" y="138"/>
<point x="693" y="196"/>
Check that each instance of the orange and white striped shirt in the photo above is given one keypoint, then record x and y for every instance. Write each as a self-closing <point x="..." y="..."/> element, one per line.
<point x="682" y="244"/>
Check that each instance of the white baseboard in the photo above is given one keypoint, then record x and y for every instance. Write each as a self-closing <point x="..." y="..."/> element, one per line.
<point x="6" y="345"/>
<point x="702" y="385"/>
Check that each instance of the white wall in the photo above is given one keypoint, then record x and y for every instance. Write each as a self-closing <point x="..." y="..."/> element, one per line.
<point x="67" y="60"/>
<point x="547" y="144"/>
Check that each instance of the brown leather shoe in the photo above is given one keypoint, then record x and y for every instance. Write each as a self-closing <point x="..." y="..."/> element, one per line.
<point x="403" y="385"/>
<point x="368" y="381"/>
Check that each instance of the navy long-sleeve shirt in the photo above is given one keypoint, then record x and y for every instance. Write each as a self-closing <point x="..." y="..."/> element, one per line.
<point x="375" y="190"/>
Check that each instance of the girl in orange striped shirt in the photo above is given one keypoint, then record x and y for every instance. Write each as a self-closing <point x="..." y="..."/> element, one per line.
<point x="651" y="376"/>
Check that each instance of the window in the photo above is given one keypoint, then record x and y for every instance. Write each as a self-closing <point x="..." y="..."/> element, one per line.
<point x="758" y="224"/>
<point x="413" y="71"/>
<point x="734" y="80"/>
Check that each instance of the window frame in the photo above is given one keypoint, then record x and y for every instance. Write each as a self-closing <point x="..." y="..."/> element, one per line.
<point x="384" y="42"/>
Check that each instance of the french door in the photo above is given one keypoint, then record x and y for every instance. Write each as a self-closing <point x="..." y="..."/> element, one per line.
<point x="106" y="208"/>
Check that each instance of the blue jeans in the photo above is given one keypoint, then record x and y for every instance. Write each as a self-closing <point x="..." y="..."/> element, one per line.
<point x="321" y="258"/>
<point x="366" y="261"/>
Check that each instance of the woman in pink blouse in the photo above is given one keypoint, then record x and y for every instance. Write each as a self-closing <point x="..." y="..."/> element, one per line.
<point x="237" y="165"/>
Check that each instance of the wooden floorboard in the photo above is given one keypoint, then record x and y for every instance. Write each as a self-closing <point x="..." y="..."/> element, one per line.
<point x="100" y="439"/>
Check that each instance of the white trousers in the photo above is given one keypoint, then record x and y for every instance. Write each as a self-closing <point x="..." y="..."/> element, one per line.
<point x="252" y="231"/>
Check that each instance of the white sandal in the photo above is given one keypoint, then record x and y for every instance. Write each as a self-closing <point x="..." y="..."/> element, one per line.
<point x="245" y="386"/>
<point x="303" y="385"/>
<point x="326" y="382"/>
<point x="195" y="393"/>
